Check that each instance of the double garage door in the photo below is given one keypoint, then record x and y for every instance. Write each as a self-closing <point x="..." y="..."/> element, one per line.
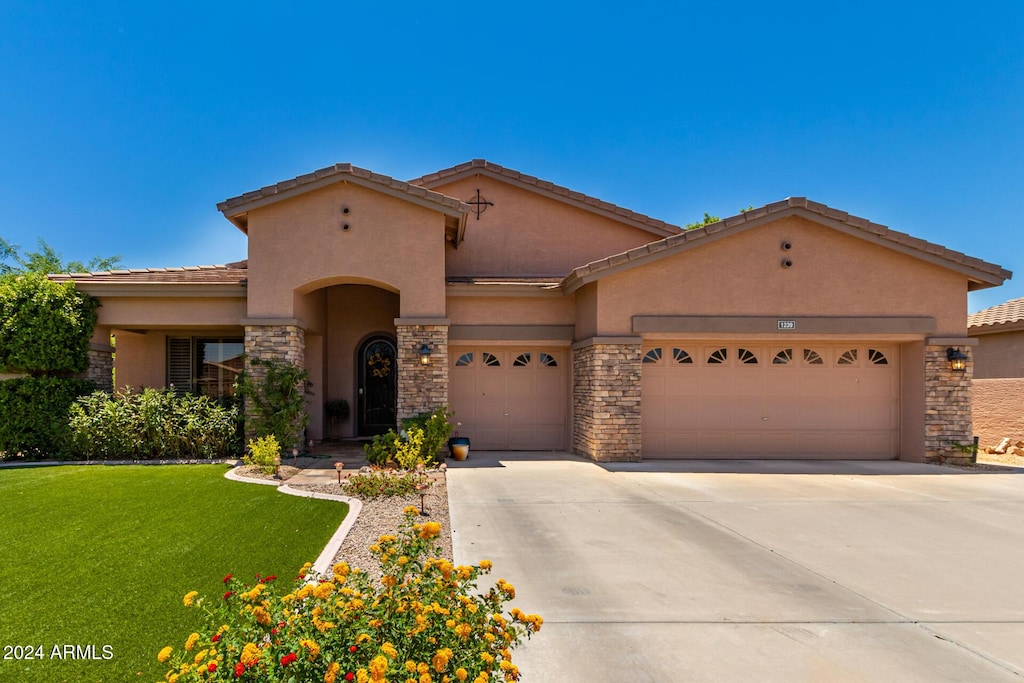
<point x="510" y="398"/>
<point x="761" y="401"/>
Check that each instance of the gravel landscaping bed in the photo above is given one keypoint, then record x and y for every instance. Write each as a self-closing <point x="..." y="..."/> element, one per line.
<point x="379" y="516"/>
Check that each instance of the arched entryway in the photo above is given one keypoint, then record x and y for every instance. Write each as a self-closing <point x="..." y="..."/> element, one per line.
<point x="377" y="369"/>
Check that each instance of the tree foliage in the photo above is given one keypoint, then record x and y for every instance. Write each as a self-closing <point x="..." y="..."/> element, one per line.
<point x="47" y="260"/>
<point x="45" y="326"/>
<point x="33" y="416"/>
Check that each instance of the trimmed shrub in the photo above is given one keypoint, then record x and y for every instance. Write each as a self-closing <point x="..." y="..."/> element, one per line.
<point x="44" y="326"/>
<point x="264" y="453"/>
<point x="34" y="416"/>
<point x="383" y="483"/>
<point x="418" y="443"/>
<point x="153" y="425"/>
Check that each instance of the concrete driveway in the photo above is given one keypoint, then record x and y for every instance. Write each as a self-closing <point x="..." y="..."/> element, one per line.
<point x="743" y="571"/>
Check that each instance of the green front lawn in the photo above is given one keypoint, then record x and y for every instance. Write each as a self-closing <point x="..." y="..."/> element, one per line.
<point x="101" y="556"/>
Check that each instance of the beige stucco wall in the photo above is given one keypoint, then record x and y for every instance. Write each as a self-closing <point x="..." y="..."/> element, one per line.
<point x="513" y="310"/>
<point x="165" y="312"/>
<point x="526" y="234"/>
<point x="833" y="274"/>
<point x="999" y="355"/>
<point x="912" y="401"/>
<point x="998" y="409"/>
<point x="298" y="245"/>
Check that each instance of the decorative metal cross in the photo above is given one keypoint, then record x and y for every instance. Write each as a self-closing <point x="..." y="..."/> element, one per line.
<point x="480" y="203"/>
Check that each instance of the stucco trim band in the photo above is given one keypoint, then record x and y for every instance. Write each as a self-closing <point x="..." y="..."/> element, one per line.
<point x="511" y="332"/>
<point x="771" y="324"/>
<point x="422" y="321"/>
<point x="951" y="341"/>
<point x="592" y="341"/>
<point x="104" y="348"/>
<point x="273" y="321"/>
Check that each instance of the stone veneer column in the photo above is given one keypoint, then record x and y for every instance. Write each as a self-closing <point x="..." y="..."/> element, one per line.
<point x="281" y="339"/>
<point x="101" y="366"/>
<point x="606" y="398"/>
<point x="947" y="401"/>
<point x="421" y="388"/>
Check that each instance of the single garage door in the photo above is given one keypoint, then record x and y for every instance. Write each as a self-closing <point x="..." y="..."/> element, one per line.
<point x="510" y="398"/>
<point x="803" y="400"/>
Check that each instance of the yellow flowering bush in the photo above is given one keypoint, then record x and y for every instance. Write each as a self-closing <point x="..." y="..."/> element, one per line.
<point x="426" y="621"/>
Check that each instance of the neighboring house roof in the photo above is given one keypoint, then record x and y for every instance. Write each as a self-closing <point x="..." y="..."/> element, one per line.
<point x="226" y="274"/>
<point x="980" y="274"/>
<point x="548" y="189"/>
<point x="236" y="209"/>
<point x="1002" y="318"/>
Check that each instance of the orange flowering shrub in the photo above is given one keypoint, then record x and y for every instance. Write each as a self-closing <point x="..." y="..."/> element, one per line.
<point x="425" y="622"/>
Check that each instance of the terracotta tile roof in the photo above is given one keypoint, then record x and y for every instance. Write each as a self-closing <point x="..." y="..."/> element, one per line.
<point x="549" y="281"/>
<point x="1010" y="312"/>
<point x="545" y="187"/>
<point x="236" y="206"/>
<point x="226" y="274"/>
<point x="982" y="273"/>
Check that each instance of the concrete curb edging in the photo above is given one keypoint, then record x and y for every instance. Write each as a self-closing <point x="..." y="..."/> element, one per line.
<point x="325" y="561"/>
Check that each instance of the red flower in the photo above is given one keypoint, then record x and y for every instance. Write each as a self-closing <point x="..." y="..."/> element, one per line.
<point x="273" y="631"/>
<point x="227" y="578"/>
<point x="215" y="638"/>
<point x="267" y="579"/>
<point x="228" y="594"/>
<point x="288" y="658"/>
<point x="350" y="676"/>
<point x="239" y="670"/>
<point x="213" y="667"/>
<point x="353" y="648"/>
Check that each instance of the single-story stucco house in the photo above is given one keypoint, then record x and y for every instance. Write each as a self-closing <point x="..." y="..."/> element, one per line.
<point x="551" y="320"/>
<point x="998" y="389"/>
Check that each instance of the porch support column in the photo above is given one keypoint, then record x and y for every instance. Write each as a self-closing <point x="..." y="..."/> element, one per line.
<point x="947" y="400"/>
<point x="100" y="355"/>
<point x="283" y="339"/>
<point x="606" y="398"/>
<point x="421" y="387"/>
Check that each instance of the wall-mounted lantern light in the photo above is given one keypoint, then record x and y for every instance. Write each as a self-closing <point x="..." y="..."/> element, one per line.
<point x="957" y="360"/>
<point x="424" y="354"/>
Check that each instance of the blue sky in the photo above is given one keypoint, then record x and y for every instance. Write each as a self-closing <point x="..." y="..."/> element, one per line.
<point x="123" y="124"/>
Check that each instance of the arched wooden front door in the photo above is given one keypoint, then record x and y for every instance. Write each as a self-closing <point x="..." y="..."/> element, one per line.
<point x="378" y="386"/>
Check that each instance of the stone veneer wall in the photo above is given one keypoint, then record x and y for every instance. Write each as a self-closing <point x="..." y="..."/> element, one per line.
<point x="606" y="401"/>
<point x="284" y="342"/>
<point x="421" y="388"/>
<point x="947" y="405"/>
<point x="101" y="367"/>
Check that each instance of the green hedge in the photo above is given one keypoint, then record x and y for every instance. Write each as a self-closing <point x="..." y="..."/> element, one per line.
<point x="45" y="326"/>
<point x="34" y="416"/>
<point x="153" y="425"/>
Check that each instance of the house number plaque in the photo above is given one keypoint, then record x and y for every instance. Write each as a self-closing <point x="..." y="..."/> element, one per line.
<point x="787" y="324"/>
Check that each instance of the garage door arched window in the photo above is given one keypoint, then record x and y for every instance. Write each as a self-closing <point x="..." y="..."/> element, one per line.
<point x="681" y="357"/>
<point x="783" y="357"/>
<point x="877" y="357"/>
<point x="465" y="360"/>
<point x="548" y="361"/>
<point x="848" y="357"/>
<point x="653" y="356"/>
<point x="522" y="360"/>
<point x="746" y="356"/>
<point x="812" y="357"/>
<point x="718" y="357"/>
<point x="490" y="360"/>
